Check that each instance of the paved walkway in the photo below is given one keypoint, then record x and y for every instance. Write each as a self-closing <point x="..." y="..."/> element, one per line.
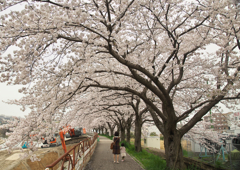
<point x="102" y="158"/>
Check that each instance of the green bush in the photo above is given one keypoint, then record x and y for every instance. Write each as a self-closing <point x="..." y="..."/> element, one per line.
<point x="218" y="164"/>
<point x="153" y="134"/>
<point x="192" y="167"/>
<point x="185" y="153"/>
<point x="235" y="154"/>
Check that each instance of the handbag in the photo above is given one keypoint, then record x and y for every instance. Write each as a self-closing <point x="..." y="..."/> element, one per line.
<point x="113" y="143"/>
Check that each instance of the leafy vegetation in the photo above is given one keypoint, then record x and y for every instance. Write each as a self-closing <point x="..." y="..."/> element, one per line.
<point x="192" y="167"/>
<point x="152" y="162"/>
<point x="218" y="164"/>
<point x="107" y="136"/>
<point x="185" y="153"/>
<point x="149" y="161"/>
<point x="153" y="134"/>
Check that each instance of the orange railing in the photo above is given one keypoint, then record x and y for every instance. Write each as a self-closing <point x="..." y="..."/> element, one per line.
<point x="76" y="157"/>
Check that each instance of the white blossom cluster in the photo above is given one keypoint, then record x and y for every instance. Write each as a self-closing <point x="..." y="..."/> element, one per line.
<point x="82" y="61"/>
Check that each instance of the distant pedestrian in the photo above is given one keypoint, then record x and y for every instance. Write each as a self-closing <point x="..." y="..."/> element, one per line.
<point x="123" y="151"/>
<point x="116" y="146"/>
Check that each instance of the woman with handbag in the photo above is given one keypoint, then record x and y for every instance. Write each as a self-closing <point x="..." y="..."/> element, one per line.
<point x="116" y="146"/>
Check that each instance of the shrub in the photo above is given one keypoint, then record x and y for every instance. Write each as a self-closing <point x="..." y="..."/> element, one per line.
<point x="153" y="134"/>
<point x="192" y="167"/>
<point x="218" y="164"/>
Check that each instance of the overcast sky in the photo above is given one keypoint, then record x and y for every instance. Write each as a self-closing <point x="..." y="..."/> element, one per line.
<point x="9" y="93"/>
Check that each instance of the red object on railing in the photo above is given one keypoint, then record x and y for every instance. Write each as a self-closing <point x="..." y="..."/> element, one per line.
<point x="77" y="152"/>
<point x="84" y="131"/>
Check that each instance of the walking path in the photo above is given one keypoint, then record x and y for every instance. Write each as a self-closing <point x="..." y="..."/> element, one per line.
<point x="102" y="158"/>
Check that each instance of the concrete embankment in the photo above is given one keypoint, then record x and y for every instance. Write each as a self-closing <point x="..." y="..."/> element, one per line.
<point x="14" y="161"/>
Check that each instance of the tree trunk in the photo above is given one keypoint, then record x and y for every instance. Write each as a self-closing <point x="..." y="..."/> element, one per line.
<point x="138" y="126"/>
<point x="173" y="148"/>
<point x="172" y="137"/>
<point x="128" y="134"/>
<point x="128" y="127"/>
<point x="111" y="128"/>
<point x="118" y="128"/>
<point x="122" y="133"/>
<point x="106" y="131"/>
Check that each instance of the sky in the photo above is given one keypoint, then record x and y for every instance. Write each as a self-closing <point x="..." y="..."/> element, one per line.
<point x="10" y="93"/>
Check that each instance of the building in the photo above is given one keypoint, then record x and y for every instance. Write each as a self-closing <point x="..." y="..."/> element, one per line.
<point x="235" y="117"/>
<point x="220" y="122"/>
<point x="235" y="122"/>
<point x="148" y="129"/>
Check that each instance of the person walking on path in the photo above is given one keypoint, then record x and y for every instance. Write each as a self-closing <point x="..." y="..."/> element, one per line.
<point x="123" y="151"/>
<point x="116" y="147"/>
<point x="102" y="158"/>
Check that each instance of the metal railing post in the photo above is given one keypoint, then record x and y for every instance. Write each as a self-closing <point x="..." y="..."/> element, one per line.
<point x="83" y="152"/>
<point x="90" y="142"/>
<point x="230" y="155"/>
<point x="73" y="166"/>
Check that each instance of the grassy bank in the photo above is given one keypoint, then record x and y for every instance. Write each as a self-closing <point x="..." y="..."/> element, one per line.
<point x="109" y="137"/>
<point x="147" y="160"/>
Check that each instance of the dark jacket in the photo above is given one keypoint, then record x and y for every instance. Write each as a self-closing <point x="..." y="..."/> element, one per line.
<point x="116" y="146"/>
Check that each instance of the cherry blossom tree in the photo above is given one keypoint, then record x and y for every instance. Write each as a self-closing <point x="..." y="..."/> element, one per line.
<point x="207" y="137"/>
<point x="64" y="52"/>
<point x="126" y="108"/>
<point x="141" y="116"/>
<point x="111" y="126"/>
<point x="116" y="107"/>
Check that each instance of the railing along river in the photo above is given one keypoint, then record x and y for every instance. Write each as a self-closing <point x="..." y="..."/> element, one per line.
<point x="77" y="157"/>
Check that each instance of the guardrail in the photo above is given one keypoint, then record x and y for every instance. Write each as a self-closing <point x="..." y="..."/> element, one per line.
<point x="76" y="157"/>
